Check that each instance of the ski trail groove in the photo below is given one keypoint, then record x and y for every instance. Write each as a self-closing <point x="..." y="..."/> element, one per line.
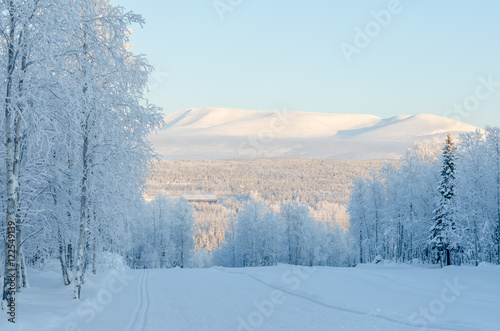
<point x="326" y="305"/>
<point x="139" y="318"/>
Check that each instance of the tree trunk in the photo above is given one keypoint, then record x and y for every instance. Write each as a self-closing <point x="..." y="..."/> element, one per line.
<point x="476" y="242"/>
<point x="12" y="180"/>
<point x="62" y="259"/>
<point x="70" y="256"/>
<point x="86" y="258"/>
<point x="83" y="220"/>
<point x="94" y="255"/>
<point x="18" y="260"/>
<point x="23" y="269"/>
<point x="361" y="260"/>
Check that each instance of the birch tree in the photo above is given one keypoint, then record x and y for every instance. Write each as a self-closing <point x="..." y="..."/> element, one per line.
<point x="115" y="118"/>
<point x="182" y="231"/>
<point x="26" y="56"/>
<point x="471" y="187"/>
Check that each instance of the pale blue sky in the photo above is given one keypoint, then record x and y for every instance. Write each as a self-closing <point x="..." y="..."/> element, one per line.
<point x="286" y="54"/>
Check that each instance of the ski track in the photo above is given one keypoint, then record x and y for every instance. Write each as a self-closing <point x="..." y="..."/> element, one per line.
<point x="326" y="305"/>
<point x="226" y="298"/>
<point x="139" y="318"/>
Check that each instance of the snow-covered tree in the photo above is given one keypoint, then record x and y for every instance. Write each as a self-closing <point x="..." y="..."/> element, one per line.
<point x="493" y="151"/>
<point x="74" y="125"/>
<point x="114" y="117"/>
<point x="298" y="223"/>
<point x="30" y="36"/>
<point x="250" y="221"/>
<point x="358" y="219"/>
<point x="443" y="236"/>
<point x="472" y="191"/>
<point x="182" y="232"/>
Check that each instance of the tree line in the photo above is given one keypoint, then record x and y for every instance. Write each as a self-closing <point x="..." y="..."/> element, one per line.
<point x="257" y="235"/>
<point x="441" y="204"/>
<point x="261" y="236"/>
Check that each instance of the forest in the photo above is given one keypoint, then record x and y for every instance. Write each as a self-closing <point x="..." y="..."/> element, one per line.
<point x="317" y="189"/>
<point x="440" y="205"/>
<point x="74" y="130"/>
<point x="323" y="184"/>
<point x="80" y="177"/>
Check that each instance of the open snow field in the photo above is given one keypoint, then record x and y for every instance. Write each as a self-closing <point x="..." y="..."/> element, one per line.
<point x="368" y="297"/>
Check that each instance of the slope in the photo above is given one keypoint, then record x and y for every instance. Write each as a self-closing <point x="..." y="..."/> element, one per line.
<point x="368" y="297"/>
<point x="222" y="133"/>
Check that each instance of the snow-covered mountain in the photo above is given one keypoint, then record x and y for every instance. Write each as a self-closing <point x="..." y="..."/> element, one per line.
<point x="222" y="133"/>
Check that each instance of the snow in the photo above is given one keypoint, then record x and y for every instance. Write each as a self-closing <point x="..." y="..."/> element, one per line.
<point x="384" y="296"/>
<point x="199" y="197"/>
<point x="224" y="133"/>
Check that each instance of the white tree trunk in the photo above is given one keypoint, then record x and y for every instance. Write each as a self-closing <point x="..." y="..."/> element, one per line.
<point x="62" y="259"/>
<point x="83" y="221"/>
<point x="12" y="180"/>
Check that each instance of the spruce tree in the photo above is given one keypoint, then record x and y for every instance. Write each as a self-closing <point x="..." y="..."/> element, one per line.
<point x="442" y="234"/>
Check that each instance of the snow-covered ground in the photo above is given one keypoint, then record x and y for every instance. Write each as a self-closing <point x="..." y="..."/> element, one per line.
<point x="223" y="133"/>
<point x="368" y="297"/>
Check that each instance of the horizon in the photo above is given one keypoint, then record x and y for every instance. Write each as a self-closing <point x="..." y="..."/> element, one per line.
<point x="228" y="133"/>
<point x="368" y="57"/>
<point x="318" y="112"/>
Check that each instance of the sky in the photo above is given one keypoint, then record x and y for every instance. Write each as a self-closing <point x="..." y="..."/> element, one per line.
<point x="385" y="58"/>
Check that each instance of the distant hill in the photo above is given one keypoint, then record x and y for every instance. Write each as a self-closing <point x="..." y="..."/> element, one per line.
<point x="222" y="133"/>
